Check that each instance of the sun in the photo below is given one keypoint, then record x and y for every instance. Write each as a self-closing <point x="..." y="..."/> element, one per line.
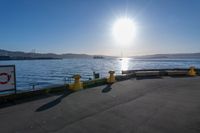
<point x="124" y="30"/>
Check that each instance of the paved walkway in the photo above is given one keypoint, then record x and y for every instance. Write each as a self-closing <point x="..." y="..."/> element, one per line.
<point x="168" y="105"/>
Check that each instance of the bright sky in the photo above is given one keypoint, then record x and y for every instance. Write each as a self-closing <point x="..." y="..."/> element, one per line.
<point x="85" y="26"/>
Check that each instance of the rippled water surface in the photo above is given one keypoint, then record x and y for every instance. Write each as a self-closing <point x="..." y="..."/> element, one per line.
<point x="51" y="72"/>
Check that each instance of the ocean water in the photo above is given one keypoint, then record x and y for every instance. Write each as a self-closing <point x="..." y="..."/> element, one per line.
<point x="43" y="73"/>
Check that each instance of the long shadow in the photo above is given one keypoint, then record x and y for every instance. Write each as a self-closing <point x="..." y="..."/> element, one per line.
<point x="107" y="88"/>
<point x="11" y="102"/>
<point x="54" y="102"/>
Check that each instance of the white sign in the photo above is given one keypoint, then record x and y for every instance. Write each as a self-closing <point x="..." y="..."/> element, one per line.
<point x="7" y="78"/>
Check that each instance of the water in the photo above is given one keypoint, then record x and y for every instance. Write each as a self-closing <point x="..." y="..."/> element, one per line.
<point x="51" y="72"/>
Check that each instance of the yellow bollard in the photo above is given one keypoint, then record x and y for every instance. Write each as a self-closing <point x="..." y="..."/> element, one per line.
<point x="192" y="71"/>
<point x="111" y="78"/>
<point x="77" y="85"/>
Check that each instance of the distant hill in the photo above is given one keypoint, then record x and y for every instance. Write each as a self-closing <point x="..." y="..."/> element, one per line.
<point x="170" y="56"/>
<point x="18" y="55"/>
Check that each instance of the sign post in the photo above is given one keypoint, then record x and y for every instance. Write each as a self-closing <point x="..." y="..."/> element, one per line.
<point x="7" y="78"/>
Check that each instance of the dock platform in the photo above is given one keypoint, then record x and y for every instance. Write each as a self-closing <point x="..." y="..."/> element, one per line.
<point x="154" y="105"/>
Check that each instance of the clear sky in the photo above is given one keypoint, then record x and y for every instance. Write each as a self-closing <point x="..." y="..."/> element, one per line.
<point x="85" y="26"/>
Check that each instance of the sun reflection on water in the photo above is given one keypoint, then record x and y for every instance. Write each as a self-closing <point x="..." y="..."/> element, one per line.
<point x="124" y="63"/>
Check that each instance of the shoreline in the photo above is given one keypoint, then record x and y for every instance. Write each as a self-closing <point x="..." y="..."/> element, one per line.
<point x="31" y="59"/>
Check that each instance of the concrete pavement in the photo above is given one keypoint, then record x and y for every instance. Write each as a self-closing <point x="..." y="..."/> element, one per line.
<point x="168" y="105"/>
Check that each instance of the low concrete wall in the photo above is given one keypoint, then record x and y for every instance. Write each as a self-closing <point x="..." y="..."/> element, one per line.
<point x="147" y="73"/>
<point x="94" y="83"/>
<point x="26" y="95"/>
<point x="97" y="82"/>
<point x="162" y="72"/>
<point x="177" y="73"/>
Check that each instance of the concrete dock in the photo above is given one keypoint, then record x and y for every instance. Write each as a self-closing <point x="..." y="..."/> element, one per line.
<point x="160" y="105"/>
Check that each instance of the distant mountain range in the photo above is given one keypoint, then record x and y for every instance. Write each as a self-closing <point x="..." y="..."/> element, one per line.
<point x="18" y="55"/>
<point x="170" y="56"/>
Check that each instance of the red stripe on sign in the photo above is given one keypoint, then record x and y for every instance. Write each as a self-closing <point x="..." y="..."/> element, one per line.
<point x="7" y="76"/>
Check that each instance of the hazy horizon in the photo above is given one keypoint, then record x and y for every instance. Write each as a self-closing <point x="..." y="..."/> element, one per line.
<point x="102" y="54"/>
<point x="85" y="27"/>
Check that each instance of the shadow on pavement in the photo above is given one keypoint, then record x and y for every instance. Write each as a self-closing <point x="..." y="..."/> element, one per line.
<point x="107" y="88"/>
<point x="53" y="103"/>
<point x="12" y="102"/>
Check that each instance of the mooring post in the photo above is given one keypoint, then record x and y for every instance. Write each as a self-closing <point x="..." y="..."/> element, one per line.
<point x="77" y="85"/>
<point x="192" y="71"/>
<point x="111" y="78"/>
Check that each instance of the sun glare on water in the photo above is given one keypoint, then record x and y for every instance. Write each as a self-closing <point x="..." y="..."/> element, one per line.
<point x="124" y="30"/>
<point x="124" y="63"/>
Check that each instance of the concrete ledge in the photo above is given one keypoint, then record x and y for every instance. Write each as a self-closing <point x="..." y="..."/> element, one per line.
<point x="31" y="94"/>
<point x="177" y="73"/>
<point x="94" y="83"/>
<point x="24" y="96"/>
<point x="168" y="105"/>
<point x="97" y="82"/>
<point x="163" y="72"/>
<point x="147" y="73"/>
<point x="124" y="77"/>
